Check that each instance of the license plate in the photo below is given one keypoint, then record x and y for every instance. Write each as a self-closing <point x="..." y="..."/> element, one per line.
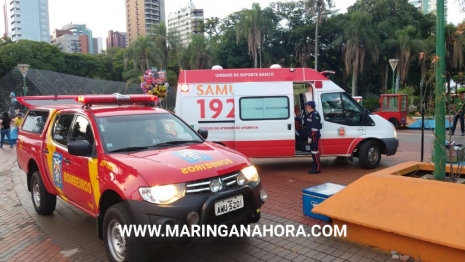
<point x="228" y="205"/>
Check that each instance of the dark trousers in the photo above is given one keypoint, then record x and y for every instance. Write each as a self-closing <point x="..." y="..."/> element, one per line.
<point x="6" y="132"/>
<point x="301" y="138"/>
<point x="315" y="155"/>
<point x="454" y="124"/>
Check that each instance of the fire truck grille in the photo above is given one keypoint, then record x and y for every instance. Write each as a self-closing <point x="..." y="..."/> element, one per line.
<point x="202" y="186"/>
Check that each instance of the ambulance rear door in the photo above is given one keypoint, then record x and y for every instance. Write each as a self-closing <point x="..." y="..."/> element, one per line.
<point x="264" y="119"/>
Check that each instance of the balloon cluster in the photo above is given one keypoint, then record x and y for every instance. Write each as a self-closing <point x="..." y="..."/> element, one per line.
<point x="154" y="83"/>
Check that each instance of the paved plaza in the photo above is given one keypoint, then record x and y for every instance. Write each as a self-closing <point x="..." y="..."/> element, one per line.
<point x="70" y="235"/>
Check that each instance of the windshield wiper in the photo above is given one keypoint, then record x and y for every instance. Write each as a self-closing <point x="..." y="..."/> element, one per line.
<point x="128" y="149"/>
<point x="178" y="142"/>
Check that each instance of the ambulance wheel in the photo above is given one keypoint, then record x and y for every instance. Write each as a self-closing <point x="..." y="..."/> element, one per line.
<point x="369" y="154"/>
<point x="394" y="122"/>
<point x="118" y="247"/>
<point x="44" y="202"/>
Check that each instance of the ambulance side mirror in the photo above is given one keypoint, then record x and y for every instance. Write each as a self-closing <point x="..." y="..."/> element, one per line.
<point x="203" y="133"/>
<point x="365" y="115"/>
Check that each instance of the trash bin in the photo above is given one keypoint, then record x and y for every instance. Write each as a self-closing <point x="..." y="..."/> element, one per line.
<point x="313" y="196"/>
<point x="13" y="135"/>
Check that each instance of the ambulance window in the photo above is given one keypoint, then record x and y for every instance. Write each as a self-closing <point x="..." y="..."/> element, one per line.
<point x="35" y="121"/>
<point x="340" y="108"/>
<point x="264" y="108"/>
<point x="61" y="128"/>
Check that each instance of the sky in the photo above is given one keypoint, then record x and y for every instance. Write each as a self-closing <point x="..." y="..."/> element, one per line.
<point x="103" y="15"/>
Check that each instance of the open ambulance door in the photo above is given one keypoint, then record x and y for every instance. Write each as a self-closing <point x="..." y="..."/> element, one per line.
<point x="264" y="119"/>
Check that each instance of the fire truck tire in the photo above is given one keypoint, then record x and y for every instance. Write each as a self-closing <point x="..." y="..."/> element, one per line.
<point x="44" y="202"/>
<point x="120" y="248"/>
<point x="394" y="122"/>
<point x="369" y="154"/>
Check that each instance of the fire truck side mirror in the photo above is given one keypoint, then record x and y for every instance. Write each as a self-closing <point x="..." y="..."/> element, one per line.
<point x="203" y="133"/>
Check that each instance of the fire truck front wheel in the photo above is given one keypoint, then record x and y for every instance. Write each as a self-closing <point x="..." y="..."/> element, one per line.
<point x="369" y="154"/>
<point x="119" y="247"/>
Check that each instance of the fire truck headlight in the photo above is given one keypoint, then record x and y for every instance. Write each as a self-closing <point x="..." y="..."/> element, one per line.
<point x="163" y="195"/>
<point x="247" y="174"/>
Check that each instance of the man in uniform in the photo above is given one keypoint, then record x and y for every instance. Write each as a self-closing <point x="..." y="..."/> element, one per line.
<point x="458" y="108"/>
<point x="311" y="133"/>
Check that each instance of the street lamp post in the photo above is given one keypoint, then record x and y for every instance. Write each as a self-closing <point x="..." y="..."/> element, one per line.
<point x="393" y="63"/>
<point x="23" y="68"/>
<point x="439" y="126"/>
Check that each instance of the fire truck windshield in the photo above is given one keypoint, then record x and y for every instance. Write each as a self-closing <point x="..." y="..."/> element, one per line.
<point x="140" y="132"/>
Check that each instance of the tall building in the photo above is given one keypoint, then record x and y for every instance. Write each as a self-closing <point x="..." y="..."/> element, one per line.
<point x="28" y="20"/>
<point x="187" y="21"/>
<point x="66" y="41"/>
<point x="116" y="39"/>
<point x="428" y="6"/>
<point x="5" y="20"/>
<point x="95" y="46"/>
<point x="85" y="36"/>
<point x="100" y="44"/>
<point x="141" y="15"/>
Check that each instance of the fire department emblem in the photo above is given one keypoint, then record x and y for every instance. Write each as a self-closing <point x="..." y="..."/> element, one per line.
<point x="57" y="170"/>
<point x="192" y="156"/>
<point x="341" y="131"/>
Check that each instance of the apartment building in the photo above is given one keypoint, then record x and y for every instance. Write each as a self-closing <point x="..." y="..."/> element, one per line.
<point x="187" y="21"/>
<point x="428" y="6"/>
<point x="28" y="20"/>
<point x="116" y="39"/>
<point x="85" y="36"/>
<point x="66" y="41"/>
<point x="141" y="15"/>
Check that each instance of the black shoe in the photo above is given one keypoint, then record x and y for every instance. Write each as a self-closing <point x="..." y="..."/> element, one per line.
<point x="314" y="172"/>
<point x="451" y="133"/>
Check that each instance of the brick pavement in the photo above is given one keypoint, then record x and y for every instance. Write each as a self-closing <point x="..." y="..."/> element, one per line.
<point x="70" y="235"/>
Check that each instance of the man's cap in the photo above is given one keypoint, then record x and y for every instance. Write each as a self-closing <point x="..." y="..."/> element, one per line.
<point x="310" y="103"/>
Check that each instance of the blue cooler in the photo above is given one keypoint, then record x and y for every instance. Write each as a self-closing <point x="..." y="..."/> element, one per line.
<point x="312" y="196"/>
<point x="13" y="135"/>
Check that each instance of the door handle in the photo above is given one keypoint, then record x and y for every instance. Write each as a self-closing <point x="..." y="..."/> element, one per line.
<point x="46" y="151"/>
<point x="289" y="126"/>
<point x="67" y="161"/>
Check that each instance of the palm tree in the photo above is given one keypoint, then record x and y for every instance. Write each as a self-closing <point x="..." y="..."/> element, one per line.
<point x="360" y="40"/>
<point x="160" y="38"/>
<point x="143" y="54"/>
<point x="455" y="41"/>
<point x="409" y="42"/>
<point x="199" y="53"/>
<point x="253" y="26"/>
<point x="320" y="8"/>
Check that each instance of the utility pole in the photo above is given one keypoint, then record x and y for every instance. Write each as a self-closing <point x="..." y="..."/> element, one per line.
<point x="439" y="127"/>
<point x="316" y="33"/>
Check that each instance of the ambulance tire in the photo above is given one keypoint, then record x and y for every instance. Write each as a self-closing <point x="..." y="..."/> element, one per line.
<point x="369" y="154"/>
<point x="128" y="248"/>
<point x="44" y="202"/>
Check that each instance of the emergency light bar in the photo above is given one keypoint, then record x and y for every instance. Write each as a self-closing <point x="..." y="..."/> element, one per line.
<point x="115" y="98"/>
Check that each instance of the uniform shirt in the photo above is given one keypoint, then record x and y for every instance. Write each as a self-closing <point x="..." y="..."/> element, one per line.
<point x="312" y="122"/>
<point x="458" y="103"/>
<point x="315" y="123"/>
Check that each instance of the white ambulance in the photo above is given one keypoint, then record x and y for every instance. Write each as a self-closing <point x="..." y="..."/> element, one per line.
<point x="252" y="111"/>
